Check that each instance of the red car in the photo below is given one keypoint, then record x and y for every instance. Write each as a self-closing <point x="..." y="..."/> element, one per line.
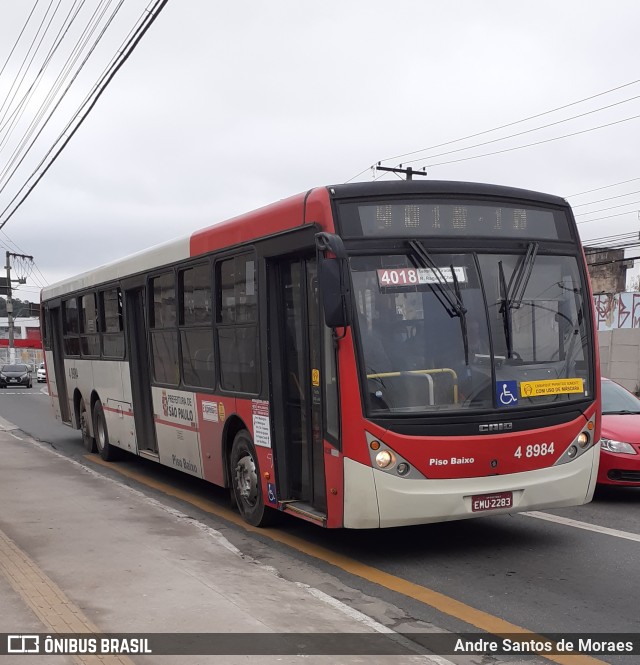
<point x="620" y="452"/>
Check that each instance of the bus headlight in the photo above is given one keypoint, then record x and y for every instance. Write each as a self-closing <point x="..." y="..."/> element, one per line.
<point x="385" y="459"/>
<point x="583" y="439"/>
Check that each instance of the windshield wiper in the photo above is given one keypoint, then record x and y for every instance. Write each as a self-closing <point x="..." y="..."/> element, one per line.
<point x="447" y="296"/>
<point x="450" y="298"/>
<point x="621" y="412"/>
<point x="462" y="315"/>
<point x="521" y="276"/>
<point x="505" y="311"/>
<point x="513" y="294"/>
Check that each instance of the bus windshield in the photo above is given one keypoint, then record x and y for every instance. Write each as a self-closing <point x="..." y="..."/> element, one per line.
<point x="471" y="330"/>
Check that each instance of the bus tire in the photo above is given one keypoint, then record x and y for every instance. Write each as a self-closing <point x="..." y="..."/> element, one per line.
<point x="106" y="450"/>
<point x="88" y="441"/>
<point x="245" y="482"/>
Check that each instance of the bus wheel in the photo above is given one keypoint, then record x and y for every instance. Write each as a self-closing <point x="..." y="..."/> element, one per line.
<point x="245" y="481"/>
<point x="106" y="450"/>
<point x="88" y="441"/>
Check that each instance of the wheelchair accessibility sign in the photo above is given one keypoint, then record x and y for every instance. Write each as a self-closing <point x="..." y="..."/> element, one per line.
<point x="507" y="393"/>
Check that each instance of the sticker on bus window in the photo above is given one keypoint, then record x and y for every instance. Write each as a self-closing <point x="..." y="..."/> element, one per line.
<point x="507" y="393"/>
<point x="407" y="277"/>
<point x="551" y="387"/>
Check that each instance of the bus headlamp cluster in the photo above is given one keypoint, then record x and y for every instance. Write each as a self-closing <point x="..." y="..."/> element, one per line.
<point x="583" y="442"/>
<point x="384" y="458"/>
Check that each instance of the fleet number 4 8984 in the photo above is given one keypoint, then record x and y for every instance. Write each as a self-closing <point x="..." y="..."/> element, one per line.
<point x="535" y="450"/>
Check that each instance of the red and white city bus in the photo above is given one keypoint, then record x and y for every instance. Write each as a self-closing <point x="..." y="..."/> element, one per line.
<point x="362" y="355"/>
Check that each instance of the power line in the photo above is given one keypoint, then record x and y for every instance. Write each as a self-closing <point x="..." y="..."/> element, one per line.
<point x="19" y="110"/>
<point x="3" y="175"/>
<point x="529" y="145"/>
<point x="610" y="198"/>
<point x="494" y="129"/>
<point x="526" y="131"/>
<point x="620" y="214"/>
<point x="27" y="56"/>
<point x="622" y="205"/>
<point x="29" y="93"/>
<point x="24" y="27"/>
<point x="597" y="189"/>
<point x="122" y="56"/>
<point x="511" y="124"/>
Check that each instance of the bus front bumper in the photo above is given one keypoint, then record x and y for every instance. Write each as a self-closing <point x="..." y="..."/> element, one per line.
<point x="375" y="499"/>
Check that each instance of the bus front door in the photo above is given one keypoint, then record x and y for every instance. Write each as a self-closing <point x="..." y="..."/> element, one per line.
<point x="296" y="343"/>
<point x="139" y="370"/>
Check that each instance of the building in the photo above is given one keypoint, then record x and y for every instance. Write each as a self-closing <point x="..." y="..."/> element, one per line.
<point x="27" y="340"/>
<point x="607" y="269"/>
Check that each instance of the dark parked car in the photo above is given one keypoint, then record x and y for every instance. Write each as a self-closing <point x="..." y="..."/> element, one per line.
<point x="15" y="375"/>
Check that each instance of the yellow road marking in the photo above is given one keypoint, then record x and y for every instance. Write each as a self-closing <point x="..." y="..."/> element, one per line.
<point x="47" y="601"/>
<point x="439" y="601"/>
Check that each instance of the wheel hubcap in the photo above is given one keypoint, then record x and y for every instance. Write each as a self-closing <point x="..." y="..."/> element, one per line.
<point x="100" y="434"/>
<point x="247" y="480"/>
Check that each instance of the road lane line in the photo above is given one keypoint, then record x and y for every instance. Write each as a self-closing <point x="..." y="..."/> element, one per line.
<point x="438" y="601"/>
<point x="566" y="521"/>
<point x="47" y="601"/>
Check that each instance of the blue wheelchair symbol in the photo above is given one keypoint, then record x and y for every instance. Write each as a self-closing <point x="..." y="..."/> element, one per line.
<point x="271" y="493"/>
<point x="507" y="393"/>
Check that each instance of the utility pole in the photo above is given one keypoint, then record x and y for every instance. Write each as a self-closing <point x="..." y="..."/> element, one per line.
<point x="10" y="255"/>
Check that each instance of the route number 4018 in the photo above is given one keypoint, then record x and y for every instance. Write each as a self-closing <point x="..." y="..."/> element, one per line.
<point x="535" y="450"/>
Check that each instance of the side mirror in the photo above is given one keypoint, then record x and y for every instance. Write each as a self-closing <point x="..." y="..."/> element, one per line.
<point x="333" y="280"/>
<point x="332" y="293"/>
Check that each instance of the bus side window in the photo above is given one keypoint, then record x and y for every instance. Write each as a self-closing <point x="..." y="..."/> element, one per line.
<point x="237" y="323"/>
<point x="164" y="335"/>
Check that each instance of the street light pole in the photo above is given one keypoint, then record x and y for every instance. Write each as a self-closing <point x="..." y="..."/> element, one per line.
<point x="12" y="350"/>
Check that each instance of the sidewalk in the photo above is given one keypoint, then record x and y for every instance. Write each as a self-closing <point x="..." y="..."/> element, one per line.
<point x="81" y="553"/>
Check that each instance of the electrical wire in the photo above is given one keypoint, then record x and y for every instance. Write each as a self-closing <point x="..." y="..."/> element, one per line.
<point x="620" y="214"/>
<point x="27" y="56"/>
<point x="597" y="189"/>
<point x="12" y="162"/>
<point x="511" y="124"/>
<point x="529" y="145"/>
<point x="610" y="198"/>
<point x="494" y="129"/>
<point x="527" y="131"/>
<point x="622" y="205"/>
<point x="18" y="111"/>
<point x="24" y="27"/>
<point x="122" y="56"/>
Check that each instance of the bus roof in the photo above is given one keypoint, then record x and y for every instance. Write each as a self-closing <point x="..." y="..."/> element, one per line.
<point x="285" y="214"/>
<point x="441" y="187"/>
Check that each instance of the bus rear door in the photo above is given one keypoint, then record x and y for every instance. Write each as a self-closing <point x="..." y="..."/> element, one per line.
<point x="139" y="367"/>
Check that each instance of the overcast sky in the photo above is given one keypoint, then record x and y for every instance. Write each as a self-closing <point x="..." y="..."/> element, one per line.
<point x="227" y="106"/>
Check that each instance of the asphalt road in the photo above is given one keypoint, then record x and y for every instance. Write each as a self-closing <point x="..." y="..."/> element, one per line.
<point x="544" y="576"/>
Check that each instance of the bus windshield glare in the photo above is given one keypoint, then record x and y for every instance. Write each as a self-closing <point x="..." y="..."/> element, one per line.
<point x="471" y="330"/>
